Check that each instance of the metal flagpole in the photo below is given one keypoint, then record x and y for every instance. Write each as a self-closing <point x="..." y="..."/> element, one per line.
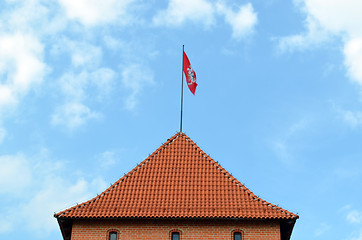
<point x="182" y="85"/>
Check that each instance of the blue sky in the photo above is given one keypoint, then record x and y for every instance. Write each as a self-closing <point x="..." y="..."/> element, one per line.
<point x="89" y="88"/>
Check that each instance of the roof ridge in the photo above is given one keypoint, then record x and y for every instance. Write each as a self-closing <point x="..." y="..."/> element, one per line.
<point x="130" y="173"/>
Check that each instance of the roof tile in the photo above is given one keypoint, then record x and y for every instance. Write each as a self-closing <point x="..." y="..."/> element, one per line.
<point x="178" y="180"/>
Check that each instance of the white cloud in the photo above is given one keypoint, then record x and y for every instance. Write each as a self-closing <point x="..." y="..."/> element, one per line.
<point x="86" y="58"/>
<point x="336" y="16"/>
<point x="86" y="55"/>
<point x="7" y="96"/>
<point x="15" y="174"/>
<point x="106" y="159"/>
<point x="37" y="188"/>
<point x="281" y="148"/>
<point x="352" y="118"/>
<point x="82" y="54"/>
<point x="73" y="85"/>
<point x="55" y="194"/>
<point x="322" y="229"/>
<point x="135" y="77"/>
<point x="73" y="115"/>
<point x="6" y="223"/>
<point x="359" y="237"/>
<point x="181" y="11"/>
<point x="76" y="89"/>
<point x="353" y="59"/>
<point x="282" y="145"/>
<point x="24" y="28"/>
<point x="21" y="67"/>
<point x="113" y="43"/>
<point x="103" y="79"/>
<point x="37" y="17"/>
<point x="331" y="18"/>
<point x="2" y="134"/>
<point x="313" y="37"/>
<point x="354" y="216"/>
<point x="93" y="12"/>
<point x="242" y="21"/>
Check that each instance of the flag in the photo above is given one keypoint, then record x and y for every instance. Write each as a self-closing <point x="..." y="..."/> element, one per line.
<point x="190" y="74"/>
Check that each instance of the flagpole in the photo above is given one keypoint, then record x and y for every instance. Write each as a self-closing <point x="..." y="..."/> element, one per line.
<point x="182" y="85"/>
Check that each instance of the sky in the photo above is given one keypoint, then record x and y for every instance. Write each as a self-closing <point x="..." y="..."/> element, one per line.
<point x="89" y="88"/>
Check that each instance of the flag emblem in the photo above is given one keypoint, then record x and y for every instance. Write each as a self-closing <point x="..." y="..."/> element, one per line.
<point x="190" y="74"/>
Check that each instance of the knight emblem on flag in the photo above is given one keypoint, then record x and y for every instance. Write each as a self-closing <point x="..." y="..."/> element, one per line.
<point x="190" y="74"/>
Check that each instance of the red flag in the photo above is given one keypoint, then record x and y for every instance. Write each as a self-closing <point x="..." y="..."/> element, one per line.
<point x="190" y="74"/>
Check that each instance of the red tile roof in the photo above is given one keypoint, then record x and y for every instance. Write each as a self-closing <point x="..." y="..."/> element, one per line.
<point x="178" y="180"/>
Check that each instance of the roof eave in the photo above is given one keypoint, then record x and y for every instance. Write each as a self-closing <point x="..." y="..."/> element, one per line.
<point x="286" y="228"/>
<point x="179" y="217"/>
<point x="65" y="225"/>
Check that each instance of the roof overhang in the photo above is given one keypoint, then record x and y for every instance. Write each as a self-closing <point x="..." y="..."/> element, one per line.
<point x="286" y="225"/>
<point x="286" y="228"/>
<point x="65" y="225"/>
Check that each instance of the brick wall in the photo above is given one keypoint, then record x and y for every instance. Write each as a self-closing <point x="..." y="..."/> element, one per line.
<point x="189" y="229"/>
